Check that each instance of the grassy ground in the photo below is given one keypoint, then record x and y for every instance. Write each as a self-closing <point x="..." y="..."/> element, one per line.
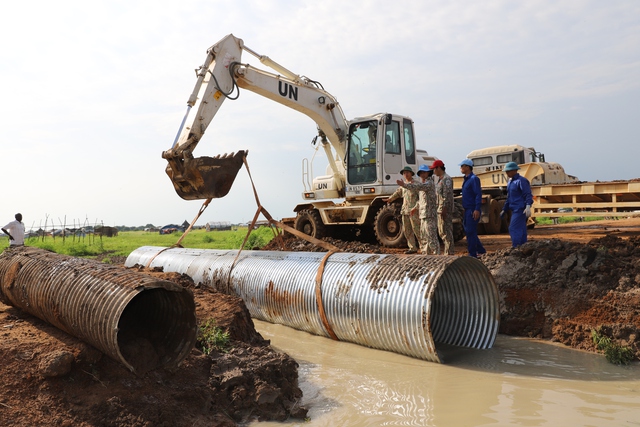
<point x="566" y="219"/>
<point x="125" y="242"/>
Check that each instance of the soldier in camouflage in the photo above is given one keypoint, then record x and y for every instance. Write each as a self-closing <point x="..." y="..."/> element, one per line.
<point x="410" y="220"/>
<point x="427" y="211"/>
<point x="444" y="191"/>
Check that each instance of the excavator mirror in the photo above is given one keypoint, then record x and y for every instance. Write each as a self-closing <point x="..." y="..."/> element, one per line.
<point x="388" y="118"/>
<point x="204" y="177"/>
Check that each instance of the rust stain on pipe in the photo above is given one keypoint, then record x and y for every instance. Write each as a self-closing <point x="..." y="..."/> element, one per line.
<point x="138" y="320"/>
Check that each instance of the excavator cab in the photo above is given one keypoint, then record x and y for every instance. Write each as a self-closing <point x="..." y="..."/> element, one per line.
<point x="204" y="177"/>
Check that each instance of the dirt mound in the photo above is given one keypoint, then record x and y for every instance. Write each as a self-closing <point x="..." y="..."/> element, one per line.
<point x="563" y="290"/>
<point x="50" y="378"/>
<point x="290" y="243"/>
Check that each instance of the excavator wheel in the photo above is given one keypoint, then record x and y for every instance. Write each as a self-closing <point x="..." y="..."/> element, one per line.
<point x="388" y="227"/>
<point x="309" y="222"/>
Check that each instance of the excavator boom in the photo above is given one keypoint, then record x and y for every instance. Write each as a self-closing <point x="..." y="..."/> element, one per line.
<point x="205" y="177"/>
<point x="220" y="78"/>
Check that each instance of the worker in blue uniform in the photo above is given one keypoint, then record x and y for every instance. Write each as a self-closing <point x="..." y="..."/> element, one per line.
<point x="472" y="204"/>
<point x="519" y="201"/>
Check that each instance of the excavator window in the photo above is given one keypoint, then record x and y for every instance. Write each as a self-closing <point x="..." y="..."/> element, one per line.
<point x="392" y="139"/>
<point x="362" y="153"/>
<point x="391" y="146"/>
<point x="409" y="144"/>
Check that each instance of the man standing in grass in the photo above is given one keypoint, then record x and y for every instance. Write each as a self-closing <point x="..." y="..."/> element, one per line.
<point x="15" y="231"/>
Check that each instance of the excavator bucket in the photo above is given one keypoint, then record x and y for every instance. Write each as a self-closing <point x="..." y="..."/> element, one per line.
<point x="205" y="177"/>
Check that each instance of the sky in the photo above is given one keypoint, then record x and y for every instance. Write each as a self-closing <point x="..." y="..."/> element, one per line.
<point x="93" y="92"/>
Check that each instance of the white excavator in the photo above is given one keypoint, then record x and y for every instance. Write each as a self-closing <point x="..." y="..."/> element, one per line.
<point x="365" y="155"/>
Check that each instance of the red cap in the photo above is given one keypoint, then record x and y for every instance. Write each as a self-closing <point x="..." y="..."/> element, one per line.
<point x="436" y="164"/>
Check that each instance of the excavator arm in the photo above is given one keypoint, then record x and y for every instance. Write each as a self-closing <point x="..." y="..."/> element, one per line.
<point x="220" y="78"/>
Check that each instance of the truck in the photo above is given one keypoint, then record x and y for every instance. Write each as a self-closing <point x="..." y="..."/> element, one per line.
<point x="555" y="193"/>
<point x="365" y="154"/>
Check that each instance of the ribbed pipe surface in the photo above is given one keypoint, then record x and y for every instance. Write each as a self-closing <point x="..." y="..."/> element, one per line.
<point x="140" y="321"/>
<point x="397" y="303"/>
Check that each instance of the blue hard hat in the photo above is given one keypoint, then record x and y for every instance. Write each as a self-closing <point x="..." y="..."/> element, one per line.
<point x="424" y="168"/>
<point x="511" y="166"/>
<point x="467" y="162"/>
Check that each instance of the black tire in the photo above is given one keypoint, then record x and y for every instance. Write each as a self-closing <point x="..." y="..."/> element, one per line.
<point x="458" y="227"/>
<point x="495" y="222"/>
<point x="309" y="222"/>
<point x="387" y="226"/>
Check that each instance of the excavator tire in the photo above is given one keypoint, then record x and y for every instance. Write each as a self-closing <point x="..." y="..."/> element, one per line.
<point x="387" y="226"/>
<point x="495" y="222"/>
<point x="309" y="222"/>
<point x="458" y="227"/>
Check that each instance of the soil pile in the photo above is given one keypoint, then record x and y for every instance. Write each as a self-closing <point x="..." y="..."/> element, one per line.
<point x="563" y="290"/>
<point x="50" y="378"/>
<point x="288" y="242"/>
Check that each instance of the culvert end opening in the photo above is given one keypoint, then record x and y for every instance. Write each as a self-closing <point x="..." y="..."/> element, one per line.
<point x="465" y="307"/>
<point x="157" y="329"/>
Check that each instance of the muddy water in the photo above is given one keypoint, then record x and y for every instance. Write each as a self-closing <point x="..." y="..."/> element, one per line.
<point x="517" y="382"/>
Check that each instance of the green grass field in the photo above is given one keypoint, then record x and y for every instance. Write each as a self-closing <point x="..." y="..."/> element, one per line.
<point x="127" y="241"/>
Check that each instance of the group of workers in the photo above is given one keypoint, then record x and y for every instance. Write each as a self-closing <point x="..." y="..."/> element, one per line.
<point x="427" y="207"/>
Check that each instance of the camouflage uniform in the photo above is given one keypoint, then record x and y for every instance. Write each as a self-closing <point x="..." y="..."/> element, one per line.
<point x="444" y="190"/>
<point x="410" y="221"/>
<point x="428" y="216"/>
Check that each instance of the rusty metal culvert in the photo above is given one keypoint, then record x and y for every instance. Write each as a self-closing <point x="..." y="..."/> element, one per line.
<point x="140" y="321"/>
<point x="409" y="305"/>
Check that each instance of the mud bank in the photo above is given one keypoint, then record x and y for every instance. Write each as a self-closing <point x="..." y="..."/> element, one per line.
<point x="50" y="378"/>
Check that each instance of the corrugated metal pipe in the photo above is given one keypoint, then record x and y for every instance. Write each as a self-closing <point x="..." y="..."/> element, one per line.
<point x="403" y="304"/>
<point x="138" y="320"/>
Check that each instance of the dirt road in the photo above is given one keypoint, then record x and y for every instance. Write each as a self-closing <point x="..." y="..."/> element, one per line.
<point x="581" y="232"/>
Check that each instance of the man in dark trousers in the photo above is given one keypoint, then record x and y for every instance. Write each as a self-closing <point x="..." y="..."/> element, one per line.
<point x="519" y="201"/>
<point x="472" y="204"/>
